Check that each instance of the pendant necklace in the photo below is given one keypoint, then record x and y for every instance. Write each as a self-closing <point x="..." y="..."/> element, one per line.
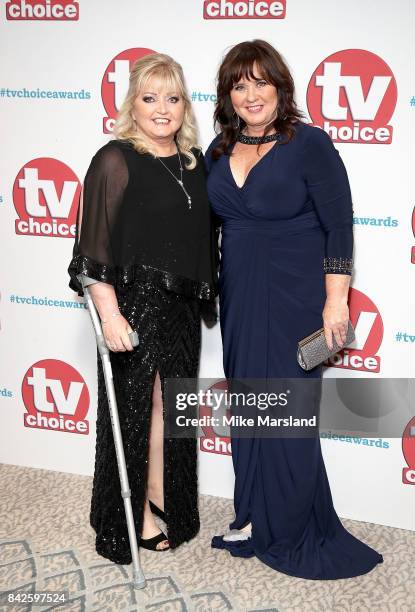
<point x="180" y="182"/>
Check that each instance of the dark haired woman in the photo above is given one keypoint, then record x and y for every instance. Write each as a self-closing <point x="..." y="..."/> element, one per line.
<point x="281" y="194"/>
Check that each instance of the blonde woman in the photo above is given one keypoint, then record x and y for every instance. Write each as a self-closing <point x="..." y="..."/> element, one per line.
<point x="144" y="243"/>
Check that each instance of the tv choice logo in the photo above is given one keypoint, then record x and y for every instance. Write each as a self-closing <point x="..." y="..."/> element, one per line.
<point x="408" y="449"/>
<point x="56" y="397"/>
<point x="38" y="10"/>
<point x="212" y="441"/>
<point x="114" y="85"/>
<point x="244" y="9"/>
<point x="367" y="322"/>
<point x="45" y="195"/>
<point x="352" y="95"/>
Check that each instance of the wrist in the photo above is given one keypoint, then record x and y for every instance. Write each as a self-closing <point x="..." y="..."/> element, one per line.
<point x="106" y="318"/>
<point x="336" y="300"/>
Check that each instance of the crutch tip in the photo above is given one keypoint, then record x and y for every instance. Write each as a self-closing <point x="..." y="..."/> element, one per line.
<point x="139" y="581"/>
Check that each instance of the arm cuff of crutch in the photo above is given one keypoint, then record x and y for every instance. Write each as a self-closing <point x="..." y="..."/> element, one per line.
<point x="86" y="280"/>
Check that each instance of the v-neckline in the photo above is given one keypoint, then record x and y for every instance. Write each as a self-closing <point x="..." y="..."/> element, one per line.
<point x="250" y="170"/>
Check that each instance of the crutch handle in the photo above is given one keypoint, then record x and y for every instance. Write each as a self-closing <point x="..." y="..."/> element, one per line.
<point x="134" y="338"/>
<point x="102" y="345"/>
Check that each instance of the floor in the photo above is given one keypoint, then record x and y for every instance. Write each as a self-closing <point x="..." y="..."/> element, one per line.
<point x="46" y="542"/>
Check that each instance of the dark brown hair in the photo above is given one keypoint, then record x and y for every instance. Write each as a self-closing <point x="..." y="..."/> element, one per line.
<point x="239" y="63"/>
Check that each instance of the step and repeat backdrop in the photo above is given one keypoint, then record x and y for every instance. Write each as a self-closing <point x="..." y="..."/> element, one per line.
<point x="64" y="74"/>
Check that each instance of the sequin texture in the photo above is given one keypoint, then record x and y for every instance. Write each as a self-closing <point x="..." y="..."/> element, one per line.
<point x="168" y="325"/>
<point x="127" y="275"/>
<point x="338" y="265"/>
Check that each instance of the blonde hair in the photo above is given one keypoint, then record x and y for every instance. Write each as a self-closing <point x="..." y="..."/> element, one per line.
<point x="169" y="71"/>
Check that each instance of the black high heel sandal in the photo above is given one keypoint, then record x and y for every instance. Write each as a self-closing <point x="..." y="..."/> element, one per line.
<point x="151" y="543"/>
<point x="156" y="510"/>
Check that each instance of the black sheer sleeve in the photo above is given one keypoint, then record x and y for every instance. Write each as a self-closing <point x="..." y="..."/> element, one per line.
<point x="328" y="185"/>
<point x="209" y="308"/>
<point x="101" y="198"/>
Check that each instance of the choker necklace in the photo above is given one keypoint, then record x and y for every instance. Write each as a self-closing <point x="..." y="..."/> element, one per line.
<point x="180" y="182"/>
<point x="257" y="140"/>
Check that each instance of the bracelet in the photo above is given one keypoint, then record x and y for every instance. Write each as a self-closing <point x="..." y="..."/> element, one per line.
<point x="114" y="314"/>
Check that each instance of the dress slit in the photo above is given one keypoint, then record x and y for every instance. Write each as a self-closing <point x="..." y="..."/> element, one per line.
<point x="157" y="370"/>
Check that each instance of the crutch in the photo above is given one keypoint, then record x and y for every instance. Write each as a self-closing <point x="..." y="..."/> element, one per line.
<point x="139" y="580"/>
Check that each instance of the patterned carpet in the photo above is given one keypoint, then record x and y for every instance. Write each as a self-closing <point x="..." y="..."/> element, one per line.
<point x="46" y="543"/>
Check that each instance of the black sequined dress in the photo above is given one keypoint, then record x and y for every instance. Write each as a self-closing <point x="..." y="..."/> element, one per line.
<point x="139" y="235"/>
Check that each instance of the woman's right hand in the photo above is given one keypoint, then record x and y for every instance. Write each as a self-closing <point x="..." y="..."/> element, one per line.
<point x="116" y="330"/>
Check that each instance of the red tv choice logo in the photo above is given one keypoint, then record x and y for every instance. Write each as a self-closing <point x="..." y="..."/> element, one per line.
<point x="210" y="440"/>
<point x="45" y="196"/>
<point x="46" y="10"/>
<point x="352" y="95"/>
<point x="114" y="84"/>
<point x="368" y="325"/>
<point x="243" y="9"/>
<point x="408" y="449"/>
<point x="56" y="397"/>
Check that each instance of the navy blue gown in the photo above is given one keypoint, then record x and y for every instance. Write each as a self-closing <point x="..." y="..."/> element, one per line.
<point x="282" y="231"/>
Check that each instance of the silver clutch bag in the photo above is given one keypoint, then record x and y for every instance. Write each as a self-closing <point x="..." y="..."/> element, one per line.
<point x="313" y="349"/>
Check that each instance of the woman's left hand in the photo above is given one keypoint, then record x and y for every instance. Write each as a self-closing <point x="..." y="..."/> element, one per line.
<point x="335" y="321"/>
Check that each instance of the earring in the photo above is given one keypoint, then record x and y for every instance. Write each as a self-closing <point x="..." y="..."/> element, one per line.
<point x="237" y="121"/>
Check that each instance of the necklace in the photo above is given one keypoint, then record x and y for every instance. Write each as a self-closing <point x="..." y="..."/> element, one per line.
<point x="257" y="140"/>
<point x="180" y="182"/>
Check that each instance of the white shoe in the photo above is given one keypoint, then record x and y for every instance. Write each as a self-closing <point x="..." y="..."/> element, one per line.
<point x="235" y="535"/>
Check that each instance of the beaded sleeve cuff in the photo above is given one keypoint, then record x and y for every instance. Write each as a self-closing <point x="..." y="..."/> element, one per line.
<point x="338" y="265"/>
